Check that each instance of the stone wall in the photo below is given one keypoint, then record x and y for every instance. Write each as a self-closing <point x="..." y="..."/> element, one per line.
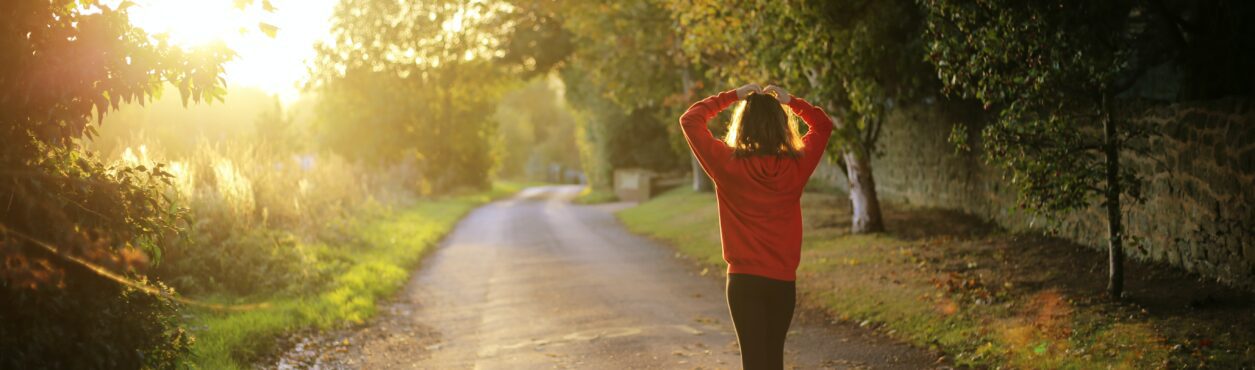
<point x="1199" y="212"/>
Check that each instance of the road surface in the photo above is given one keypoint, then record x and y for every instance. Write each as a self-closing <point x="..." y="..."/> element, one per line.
<point x="536" y="282"/>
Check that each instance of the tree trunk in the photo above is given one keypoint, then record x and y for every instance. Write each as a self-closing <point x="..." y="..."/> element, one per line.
<point x="865" y="217"/>
<point x="701" y="181"/>
<point x="866" y="214"/>
<point x="1115" y="229"/>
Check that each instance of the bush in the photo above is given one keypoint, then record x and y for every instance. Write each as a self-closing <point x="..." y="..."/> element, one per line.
<point x="98" y="217"/>
<point x="102" y="324"/>
<point x="241" y="261"/>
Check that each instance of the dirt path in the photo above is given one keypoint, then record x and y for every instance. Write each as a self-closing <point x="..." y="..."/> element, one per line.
<point x="537" y="282"/>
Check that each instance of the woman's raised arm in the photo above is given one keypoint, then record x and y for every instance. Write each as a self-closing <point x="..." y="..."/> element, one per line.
<point x="703" y="143"/>
<point x="819" y="128"/>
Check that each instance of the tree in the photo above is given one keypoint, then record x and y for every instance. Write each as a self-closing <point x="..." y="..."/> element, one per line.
<point x="621" y="63"/>
<point x="627" y="53"/>
<point x="857" y="58"/>
<point x="614" y="137"/>
<point x="76" y="232"/>
<point x="534" y="40"/>
<point x="536" y="130"/>
<point x="276" y="130"/>
<point x="616" y="62"/>
<point x="1053" y="70"/>
<point x="413" y="80"/>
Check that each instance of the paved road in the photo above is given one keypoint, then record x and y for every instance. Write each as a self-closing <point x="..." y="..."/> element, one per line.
<point x="537" y="282"/>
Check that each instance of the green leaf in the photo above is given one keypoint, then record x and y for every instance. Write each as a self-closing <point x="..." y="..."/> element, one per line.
<point x="267" y="28"/>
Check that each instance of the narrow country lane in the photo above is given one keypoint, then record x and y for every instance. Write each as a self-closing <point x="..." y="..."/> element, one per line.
<point x="538" y="282"/>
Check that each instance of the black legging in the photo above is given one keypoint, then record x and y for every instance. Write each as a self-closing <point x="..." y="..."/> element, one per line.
<point x="762" y="310"/>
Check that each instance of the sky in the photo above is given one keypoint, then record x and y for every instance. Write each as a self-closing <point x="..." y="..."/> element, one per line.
<point x="275" y="65"/>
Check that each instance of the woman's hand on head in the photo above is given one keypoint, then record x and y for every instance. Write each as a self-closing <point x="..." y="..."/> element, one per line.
<point x="744" y="91"/>
<point x="781" y="95"/>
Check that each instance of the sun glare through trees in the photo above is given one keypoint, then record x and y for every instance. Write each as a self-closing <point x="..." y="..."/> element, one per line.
<point x="272" y="40"/>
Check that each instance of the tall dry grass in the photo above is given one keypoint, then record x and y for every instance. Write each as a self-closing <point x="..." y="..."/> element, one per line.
<point x="261" y="218"/>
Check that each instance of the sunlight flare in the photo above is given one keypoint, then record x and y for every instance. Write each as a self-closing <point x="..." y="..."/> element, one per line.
<point x="276" y="65"/>
<point x="192" y="23"/>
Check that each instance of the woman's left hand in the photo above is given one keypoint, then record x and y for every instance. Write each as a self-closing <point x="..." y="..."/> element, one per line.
<point x="744" y="91"/>
<point x="781" y="95"/>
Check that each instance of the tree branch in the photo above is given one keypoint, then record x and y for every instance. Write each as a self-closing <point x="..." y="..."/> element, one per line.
<point x="875" y="134"/>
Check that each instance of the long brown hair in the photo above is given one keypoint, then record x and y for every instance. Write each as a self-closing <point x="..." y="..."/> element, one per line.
<point x="760" y="126"/>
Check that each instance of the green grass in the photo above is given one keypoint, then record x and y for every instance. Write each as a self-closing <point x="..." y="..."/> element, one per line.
<point x="595" y="196"/>
<point x="683" y="218"/>
<point x="960" y="295"/>
<point x="393" y="245"/>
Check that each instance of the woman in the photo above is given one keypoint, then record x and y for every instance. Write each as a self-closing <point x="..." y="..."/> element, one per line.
<point x="759" y="171"/>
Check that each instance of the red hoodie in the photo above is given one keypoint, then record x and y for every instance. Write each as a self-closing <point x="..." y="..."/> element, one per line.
<point x="760" y="210"/>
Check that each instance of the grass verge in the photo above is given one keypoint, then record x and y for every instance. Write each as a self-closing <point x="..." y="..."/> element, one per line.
<point x="391" y="246"/>
<point x="947" y="281"/>
<point x="595" y="196"/>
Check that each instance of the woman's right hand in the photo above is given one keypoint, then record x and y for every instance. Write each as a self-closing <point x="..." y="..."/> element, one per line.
<point x="781" y="95"/>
